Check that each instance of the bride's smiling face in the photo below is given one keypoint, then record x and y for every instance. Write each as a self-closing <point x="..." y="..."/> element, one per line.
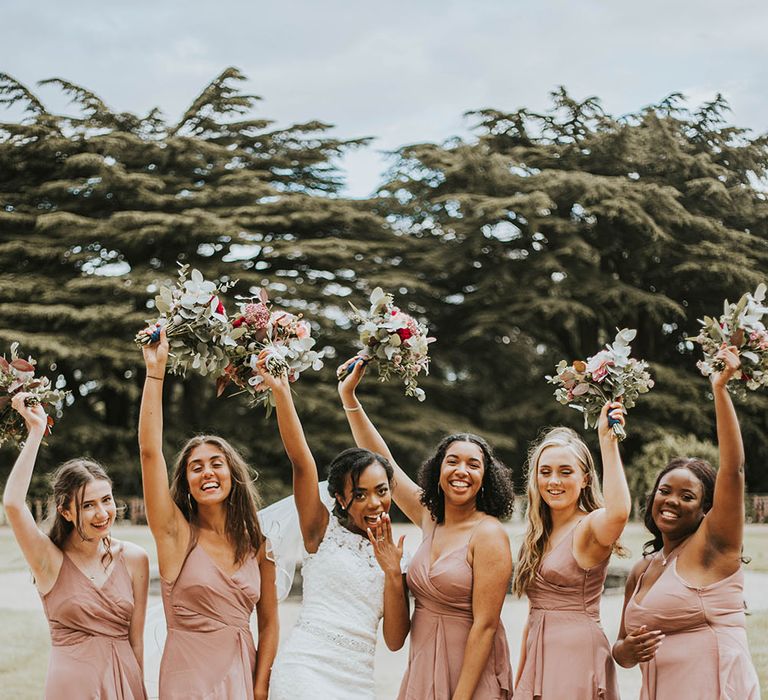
<point x="367" y="501"/>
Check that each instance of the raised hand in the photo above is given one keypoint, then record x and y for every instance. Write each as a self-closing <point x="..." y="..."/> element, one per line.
<point x="616" y="412"/>
<point x="34" y="415"/>
<point x="641" y="645"/>
<point x="272" y="382"/>
<point x="156" y="354"/>
<point x="388" y="554"/>
<point x="729" y="354"/>
<point x="350" y="373"/>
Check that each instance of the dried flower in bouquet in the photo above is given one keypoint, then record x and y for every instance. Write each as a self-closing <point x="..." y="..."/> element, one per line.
<point x="195" y="322"/>
<point x="18" y="375"/>
<point x="742" y="324"/>
<point x="396" y="342"/>
<point x="610" y="375"/>
<point x="286" y="337"/>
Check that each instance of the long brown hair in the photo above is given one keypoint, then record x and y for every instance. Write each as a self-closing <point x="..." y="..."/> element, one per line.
<point x="68" y="483"/>
<point x="538" y="515"/>
<point x="242" y="520"/>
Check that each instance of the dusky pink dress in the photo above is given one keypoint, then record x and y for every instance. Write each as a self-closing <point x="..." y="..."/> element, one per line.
<point x="209" y="651"/>
<point x="567" y="653"/>
<point x="440" y="625"/>
<point x="91" y="656"/>
<point x="705" y="653"/>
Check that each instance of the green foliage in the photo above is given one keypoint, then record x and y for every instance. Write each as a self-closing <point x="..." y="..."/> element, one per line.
<point x="528" y="243"/>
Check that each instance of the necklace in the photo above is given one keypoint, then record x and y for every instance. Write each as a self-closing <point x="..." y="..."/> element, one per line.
<point x="665" y="558"/>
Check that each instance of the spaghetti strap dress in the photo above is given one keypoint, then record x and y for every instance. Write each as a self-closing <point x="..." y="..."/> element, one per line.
<point x="440" y="626"/>
<point x="91" y="655"/>
<point x="564" y="632"/>
<point x="705" y="650"/>
<point x="209" y="651"/>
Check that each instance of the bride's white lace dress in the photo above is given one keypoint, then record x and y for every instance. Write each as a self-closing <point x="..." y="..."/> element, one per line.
<point x="329" y="653"/>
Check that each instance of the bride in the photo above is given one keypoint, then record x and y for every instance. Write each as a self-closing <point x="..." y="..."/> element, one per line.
<point x="351" y="571"/>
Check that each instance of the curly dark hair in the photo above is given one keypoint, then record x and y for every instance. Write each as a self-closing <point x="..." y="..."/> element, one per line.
<point x="496" y="495"/>
<point x="706" y="475"/>
<point x="353" y="461"/>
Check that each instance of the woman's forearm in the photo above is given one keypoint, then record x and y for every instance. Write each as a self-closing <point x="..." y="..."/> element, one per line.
<point x="397" y="620"/>
<point x="476" y="653"/>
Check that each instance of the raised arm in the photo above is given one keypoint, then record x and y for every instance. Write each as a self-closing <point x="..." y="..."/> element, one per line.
<point x="605" y="525"/>
<point x="724" y="523"/>
<point x="491" y="571"/>
<point x="167" y="523"/>
<point x="313" y="515"/>
<point x="44" y="557"/>
<point x="405" y="491"/>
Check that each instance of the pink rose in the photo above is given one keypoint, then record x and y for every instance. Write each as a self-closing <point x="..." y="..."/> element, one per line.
<point x="598" y="365"/>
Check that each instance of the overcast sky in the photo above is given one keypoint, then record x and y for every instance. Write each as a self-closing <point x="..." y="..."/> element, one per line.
<point x="402" y="71"/>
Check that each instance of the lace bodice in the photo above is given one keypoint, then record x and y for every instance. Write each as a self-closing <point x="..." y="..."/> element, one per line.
<point x="343" y="588"/>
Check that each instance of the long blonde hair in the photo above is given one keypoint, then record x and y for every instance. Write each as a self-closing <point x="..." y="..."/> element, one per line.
<point x="538" y="515"/>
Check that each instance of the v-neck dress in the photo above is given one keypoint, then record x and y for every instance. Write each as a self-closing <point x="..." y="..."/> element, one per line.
<point x="209" y="651"/>
<point x="440" y="627"/>
<point x="705" y="650"/>
<point x="91" y="655"/>
<point x="567" y="652"/>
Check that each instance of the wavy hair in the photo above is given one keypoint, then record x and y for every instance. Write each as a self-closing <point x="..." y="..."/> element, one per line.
<point x="242" y="504"/>
<point x="68" y="483"/>
<point x="538" y="515"/>
<point x="496" y="496"/>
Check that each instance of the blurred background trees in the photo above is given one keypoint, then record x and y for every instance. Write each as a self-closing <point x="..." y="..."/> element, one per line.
<point x="526" y="243"/>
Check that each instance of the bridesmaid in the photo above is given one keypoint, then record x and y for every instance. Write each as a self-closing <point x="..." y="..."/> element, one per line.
<point x="93" y="588"/>
<point x="683" y="618"/>
<point x="214" y="563"/>
<point x="460" y="574"/>
<point x="563" y="562"/>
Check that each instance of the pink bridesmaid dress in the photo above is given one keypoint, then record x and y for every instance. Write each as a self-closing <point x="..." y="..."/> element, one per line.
<point x="209" y="651"/>
<point x="439" y="629"/>
<point x="567" y="652"/>
<point x="705" y="653"/>
<point x="91" y="656"/>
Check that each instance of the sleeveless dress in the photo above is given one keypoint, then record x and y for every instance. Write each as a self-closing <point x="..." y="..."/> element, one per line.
<point x="567" y="652"/>
<point x="209" y="651"/>
<point x="330" y="651"/>
<point x="91" y="656"/>
<point x="705" y="650"/>
<point x="439" y="629"/>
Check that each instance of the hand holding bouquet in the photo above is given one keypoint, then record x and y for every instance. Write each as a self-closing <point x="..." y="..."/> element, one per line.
<point x="18" y="376"/>
<point x="610" y="375"/>
<point x="195" y="323"/>
<point x="395" y="341"/>
<point x="284" y="340"/>
<point x="741" y="325"/>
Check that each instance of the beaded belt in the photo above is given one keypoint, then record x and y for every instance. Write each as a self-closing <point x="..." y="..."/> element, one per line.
<point x="336" y="638"/>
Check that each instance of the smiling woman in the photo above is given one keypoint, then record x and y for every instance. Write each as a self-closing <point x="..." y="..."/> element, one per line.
<point x="93" y="588"/>
<point x="215" y="564"/>
<point x="460" y="574"/>
<point x="688" y="590"/>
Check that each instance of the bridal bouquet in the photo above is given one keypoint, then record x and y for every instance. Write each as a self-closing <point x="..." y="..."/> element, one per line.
<point x="610" y="375"/>
<point x="395" y="341"/>
<point x="742" y="324"/>
<point x="287" y="338"/>
<point x="18" y="375"/>
<point x="195" y="323"/>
